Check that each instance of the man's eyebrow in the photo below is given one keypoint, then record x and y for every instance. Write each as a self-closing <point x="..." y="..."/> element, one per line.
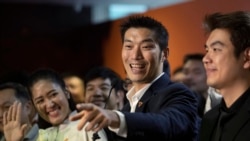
<point x="105" y="84"/>
<point x="148" y="40"/>
<point x="145" y="40"/>
<point x="214" y="43"/>
<point x="127" y="40"/>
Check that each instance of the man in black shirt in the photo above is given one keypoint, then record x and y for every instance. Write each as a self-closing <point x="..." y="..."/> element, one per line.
<point x="227" y="64"/>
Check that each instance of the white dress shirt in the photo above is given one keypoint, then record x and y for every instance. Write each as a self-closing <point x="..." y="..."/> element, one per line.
<point x="133" y="98"/>
<point x="213" y="98"/>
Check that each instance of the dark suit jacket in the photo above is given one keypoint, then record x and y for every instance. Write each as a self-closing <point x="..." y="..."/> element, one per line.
<point x="167" y="111"/>
<point x="236" y="129"/>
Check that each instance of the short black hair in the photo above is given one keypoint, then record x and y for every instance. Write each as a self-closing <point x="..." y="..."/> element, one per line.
<point x="161" y="33"/>
<point x="101" y="72"/>
<point x="195" y="56"/>
<point x="237" y="23"/>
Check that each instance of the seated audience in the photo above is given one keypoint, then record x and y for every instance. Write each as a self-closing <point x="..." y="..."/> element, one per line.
<point x="54" y="104"/>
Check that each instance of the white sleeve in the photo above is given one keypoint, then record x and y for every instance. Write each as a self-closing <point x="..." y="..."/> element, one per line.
<point x="122" y="130"/>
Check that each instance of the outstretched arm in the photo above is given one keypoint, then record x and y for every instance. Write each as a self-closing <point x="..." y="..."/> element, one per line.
<point x="96" y="117"/>
<point x="14" y="130"/>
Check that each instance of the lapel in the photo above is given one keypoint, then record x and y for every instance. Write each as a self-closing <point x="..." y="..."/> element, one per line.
<point x="163" y="81"/>
<point x="126" y="108"/>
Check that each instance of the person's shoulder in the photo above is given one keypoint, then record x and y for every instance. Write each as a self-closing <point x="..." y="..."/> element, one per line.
<point x="175" y="90"/>
<point x="175" y="86"/>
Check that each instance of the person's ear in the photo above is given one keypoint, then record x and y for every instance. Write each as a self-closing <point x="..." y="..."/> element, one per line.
<point x="247" y="58"/>
<point x="67" y="93"/>
<point x="27" y="107"/>
<point x="31" y="111"/>
<point x="165" y="54"/>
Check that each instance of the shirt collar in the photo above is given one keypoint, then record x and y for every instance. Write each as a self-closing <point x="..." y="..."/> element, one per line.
<point x="237" y="104"/>
<point x="33" y="133"/>
<point x="131" y="93"/>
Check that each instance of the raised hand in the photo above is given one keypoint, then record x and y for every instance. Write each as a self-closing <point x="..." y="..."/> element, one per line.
<point x="95" y="117"/>
<point x="14" y="130"/>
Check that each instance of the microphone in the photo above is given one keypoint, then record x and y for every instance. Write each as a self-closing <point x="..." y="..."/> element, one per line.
<point x="113" y="85"/>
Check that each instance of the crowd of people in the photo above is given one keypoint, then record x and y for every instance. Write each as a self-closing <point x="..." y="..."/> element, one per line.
<point x="205" y="99"/>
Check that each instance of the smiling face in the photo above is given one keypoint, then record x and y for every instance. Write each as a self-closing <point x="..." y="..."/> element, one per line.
<point x="50" y="101"/>
<point x="97" y="91"/>
<point x="222" y="67"/>
<point x="141" y="55"/>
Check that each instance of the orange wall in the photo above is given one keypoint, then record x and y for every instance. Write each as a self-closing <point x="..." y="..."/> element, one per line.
<point x="184" y="23"/>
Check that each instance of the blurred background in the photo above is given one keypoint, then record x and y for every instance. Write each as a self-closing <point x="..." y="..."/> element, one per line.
<point x="76" y="35"/>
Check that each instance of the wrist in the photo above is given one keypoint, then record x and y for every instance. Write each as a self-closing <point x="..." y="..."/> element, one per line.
<point x="115" y="120"/>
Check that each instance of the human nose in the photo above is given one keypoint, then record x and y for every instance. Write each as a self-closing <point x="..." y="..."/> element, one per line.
<point x="187" y="77"/>
<point x="206" y="59"/>
<point x="49" y="103"/>
<point x="98" y="92"/>
<point x="136" y="53"/>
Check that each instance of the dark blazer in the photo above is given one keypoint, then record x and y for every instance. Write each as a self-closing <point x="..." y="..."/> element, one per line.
<point x="237" y="129"/>
<point x="166" y="112"/>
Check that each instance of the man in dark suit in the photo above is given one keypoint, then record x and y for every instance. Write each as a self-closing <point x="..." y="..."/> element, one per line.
<point x="227" y="64"/>
<point x="158" y="109"/>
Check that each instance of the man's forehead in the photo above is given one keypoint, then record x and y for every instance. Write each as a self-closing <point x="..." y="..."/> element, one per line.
<point x="7" y="96"/>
